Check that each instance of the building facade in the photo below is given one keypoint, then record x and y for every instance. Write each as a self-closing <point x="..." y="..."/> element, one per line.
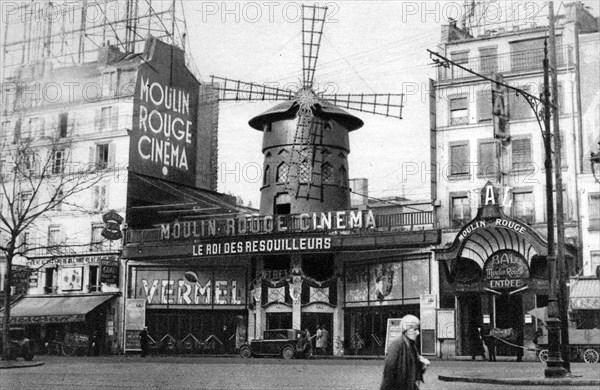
<point x="491" y="191"/>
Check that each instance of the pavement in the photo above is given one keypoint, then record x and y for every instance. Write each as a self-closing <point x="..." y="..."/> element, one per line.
<point x="521" y="374"/>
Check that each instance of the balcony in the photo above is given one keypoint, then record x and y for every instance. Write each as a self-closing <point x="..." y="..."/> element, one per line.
<point x="520" y="61"/>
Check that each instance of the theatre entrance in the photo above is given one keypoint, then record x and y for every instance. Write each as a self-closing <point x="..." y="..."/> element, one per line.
<point x="509" y="314"/>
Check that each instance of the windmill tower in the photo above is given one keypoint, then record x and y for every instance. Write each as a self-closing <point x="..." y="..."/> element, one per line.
<point x="305" y="138"/>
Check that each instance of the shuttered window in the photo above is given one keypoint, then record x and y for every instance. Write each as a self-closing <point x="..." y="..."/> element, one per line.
<point x="484" y="105"/>
<point x="487" y="162"/>
<point x="459" y="158"/>
<point x="459" y="111"/>
<point x="521" y="154"/>
<point x="488" y="60"/>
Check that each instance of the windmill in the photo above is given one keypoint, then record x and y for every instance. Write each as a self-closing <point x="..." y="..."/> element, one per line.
<point x="305" y="138"/>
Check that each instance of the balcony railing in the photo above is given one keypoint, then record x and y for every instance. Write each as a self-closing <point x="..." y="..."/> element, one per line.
<point x="504" y="63"/>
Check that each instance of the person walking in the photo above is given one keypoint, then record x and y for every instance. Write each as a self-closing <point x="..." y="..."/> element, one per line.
<point x="144" y="341"/>
<point x="309" y="353"/>
<point x="404" y="367"/>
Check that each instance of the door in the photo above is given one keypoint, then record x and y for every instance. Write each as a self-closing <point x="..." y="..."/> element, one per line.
<point x="470" y="318"/>
<point x="310" y="321"/>
<point x="509" y="314"/>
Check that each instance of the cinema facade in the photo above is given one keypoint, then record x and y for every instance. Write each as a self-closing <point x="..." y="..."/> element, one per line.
<point x="206" y="285"/>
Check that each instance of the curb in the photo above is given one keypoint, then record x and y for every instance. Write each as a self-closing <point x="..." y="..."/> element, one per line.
<point x="522" y="381"/>
<point x="4" y="366"/>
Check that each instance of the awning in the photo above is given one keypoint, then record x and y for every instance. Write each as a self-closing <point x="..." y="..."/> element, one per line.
<point x="45" y="309"/>
<point x="585" y="294"/>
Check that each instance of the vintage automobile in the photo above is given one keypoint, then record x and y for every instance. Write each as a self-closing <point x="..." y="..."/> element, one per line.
<point x="20" y="346"/>
<point x="287" y="343"/>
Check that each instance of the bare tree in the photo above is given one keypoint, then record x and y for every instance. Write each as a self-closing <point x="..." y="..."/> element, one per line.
<point x="36" y="177"/>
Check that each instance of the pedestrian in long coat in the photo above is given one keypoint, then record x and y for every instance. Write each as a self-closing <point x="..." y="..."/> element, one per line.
<point x="144" y="341"/>
<point x="404" y="367"/>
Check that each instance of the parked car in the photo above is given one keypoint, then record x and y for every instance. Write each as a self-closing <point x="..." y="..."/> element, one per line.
<point x="20" y="345"/>
<point x="287" y="343"/>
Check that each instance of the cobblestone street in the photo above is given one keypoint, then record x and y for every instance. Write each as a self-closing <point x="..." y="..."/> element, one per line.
<point x="133" y="372"/>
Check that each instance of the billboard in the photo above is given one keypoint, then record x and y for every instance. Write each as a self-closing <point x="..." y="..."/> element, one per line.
<point x="164" y="128"/>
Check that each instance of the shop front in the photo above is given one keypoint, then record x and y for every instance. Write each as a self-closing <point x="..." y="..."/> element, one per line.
<point x="231" y="280"/>
<point x="493" y="274"/>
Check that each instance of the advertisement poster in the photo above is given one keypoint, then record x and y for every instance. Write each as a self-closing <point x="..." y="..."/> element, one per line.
<point x="71" y="279"/>
<point x="445" y="324"/>
<point x="135" y="320"/>
<point x="394" y="331"/>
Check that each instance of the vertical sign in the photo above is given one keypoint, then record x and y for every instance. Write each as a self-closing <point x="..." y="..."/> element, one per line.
<point x="445" y="324"/>
<point x="135" y="320"/>
<point x="164" y="128"/>
<point x="500" y="113"/>
<point x="394" y="331"/>
<point x="428" y="303"/>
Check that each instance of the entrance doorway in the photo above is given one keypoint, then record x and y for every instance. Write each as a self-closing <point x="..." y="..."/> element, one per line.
<point x="310" y="321"/>
<point x="509" y="314"/>
<point x="279" y="321"/>
<point x="470" y="318"/>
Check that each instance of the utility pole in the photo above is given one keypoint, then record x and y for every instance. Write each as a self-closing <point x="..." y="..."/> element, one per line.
<point x="560" y="223"/>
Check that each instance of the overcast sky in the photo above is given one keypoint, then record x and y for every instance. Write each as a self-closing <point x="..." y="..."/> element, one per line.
<point x="366" y="48"/>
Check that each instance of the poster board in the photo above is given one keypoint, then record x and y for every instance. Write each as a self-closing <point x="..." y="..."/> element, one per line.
<point x="135" y="320"/>
<point x="445" y="324"/>
<point x="393" y="332"/>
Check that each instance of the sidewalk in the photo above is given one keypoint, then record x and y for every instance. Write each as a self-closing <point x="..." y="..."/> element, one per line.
<point x="6" y="364"/>
<point x="524" y="374"/>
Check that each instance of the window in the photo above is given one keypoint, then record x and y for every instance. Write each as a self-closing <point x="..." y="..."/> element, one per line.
<point x="25" y="241"/>
<point x="53" y="238"/>
<point x="109" y="83"/>
<point x="99" y="201"/>
<point x="459" y="111"/>
<point x="36" y="127"/>
<point x="595" y="262"/>
<point x="24" y="201"/>
<point x="460" y="211"/>
<point x="49" y="282"/>
<point x="5" y="130"/>
<point x="17" y="132"/>
<point x="58" y="161"/>
<point x="59" y="199"/>
<point x="63" y="125"/>
<point x="530" y="53"/>
<point x="105" y="118"/>
<point x="488" y="60"/>
<point x="102" y="156"/>
<point x="523" y="207"/>
<point x="342" y="179"/>
<point x="459" y="57"/>
<point x="267" y="174"/>
<point x="327" y="173"/>
<point x="594" y="211"/>
<point x="282" y="173"/>
<point x="93" y="279"/>
<point x="304" y="172"/>
<point x="96" y="239"/>
<point x="518" y="107"/>
<point x="521" y="154"/>
<point x="484" y="105"/>
<point x="487" y="164"/>
<point x="459" y="158"/>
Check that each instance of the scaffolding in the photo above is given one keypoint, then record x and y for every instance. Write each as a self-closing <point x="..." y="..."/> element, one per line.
<point x="67" y="33"/>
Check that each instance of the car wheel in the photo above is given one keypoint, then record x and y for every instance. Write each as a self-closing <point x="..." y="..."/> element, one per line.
<point x="245" y="352"/>
<point x="591" y="356"/>
<point x="543" y="355"/>
<point x="287" y="352"/>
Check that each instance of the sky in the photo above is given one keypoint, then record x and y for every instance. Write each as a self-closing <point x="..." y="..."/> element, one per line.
<point x="367" y="47"/>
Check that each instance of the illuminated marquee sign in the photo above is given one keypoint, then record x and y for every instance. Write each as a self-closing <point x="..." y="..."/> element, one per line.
<point x="163" y="137"/>
<point x="506" y="269"/>
<point x="307" y="222"/>
<point x="499" y="222"/>
<point x="272" y="245"/>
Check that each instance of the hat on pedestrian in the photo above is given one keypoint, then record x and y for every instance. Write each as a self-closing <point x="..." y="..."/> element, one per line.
<point x="409" y="322"/>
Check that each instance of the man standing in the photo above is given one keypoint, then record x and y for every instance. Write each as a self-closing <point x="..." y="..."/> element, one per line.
<point x="325" y="342"/>
<point x="404" y="367"/>
<point x="144" y="341"/>
<point x="319" y="342"/>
